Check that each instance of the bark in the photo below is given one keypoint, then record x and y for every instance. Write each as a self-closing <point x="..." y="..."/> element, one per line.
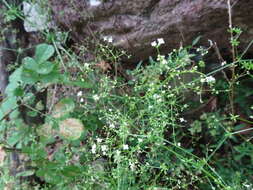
<point x="134" y="24"/>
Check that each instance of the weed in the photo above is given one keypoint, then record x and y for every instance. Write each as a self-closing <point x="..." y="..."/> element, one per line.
<point x="161" y="128"/>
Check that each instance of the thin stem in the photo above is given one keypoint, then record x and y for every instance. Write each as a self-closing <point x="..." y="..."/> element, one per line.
<point x="233" y="77"/>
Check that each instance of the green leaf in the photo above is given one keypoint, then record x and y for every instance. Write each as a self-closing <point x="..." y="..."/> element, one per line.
<point x="45" y="68"/>
<point x="14" y="138"/>
<point x="32" y="113"/>
<point x="14" y="114"/>
<point x="196" y="40"/>
<point x="29" y="77"/>
<point x="14" y="79"/>
<point x="9" y="104"/>
<point x="52" y="77"/>
<point x="18" y="91"/>
<point x="30" y="64"/>
<point x="43" y="52"/>
<point x="63" y="107"/>
<point x="71" y="171"/>
<point x="1" y="114"/>
<point x="26" y="173"/>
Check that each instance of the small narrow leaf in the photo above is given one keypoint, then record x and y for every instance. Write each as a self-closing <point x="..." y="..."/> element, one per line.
<point x="25" y="173"/>
<point x="196" y="40"/>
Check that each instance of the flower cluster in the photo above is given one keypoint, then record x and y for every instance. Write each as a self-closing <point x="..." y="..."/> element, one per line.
<point x="209" y="79"/>
<point x="108" y="39"/>
<point x="158" y="42"/>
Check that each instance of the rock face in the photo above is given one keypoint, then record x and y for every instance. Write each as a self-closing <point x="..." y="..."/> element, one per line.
<point x="134" y="24"/>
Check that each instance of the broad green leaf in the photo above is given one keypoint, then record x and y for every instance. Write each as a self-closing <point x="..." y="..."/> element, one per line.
<point x="43" y="52"/>
<point x="52" y="77"/>
<point x="71" y="128"/>
<point x="14" y="79"/>
<point x="16" y="75"/>
<point x="14" y="114"/>
<point x="45" y="67"/>
<point x="29" y="77"/>
<point x="9" y="104"/>
<point x="63" y="107"/>
<point x="14" y="138"/>
<point x="30" y="64"/>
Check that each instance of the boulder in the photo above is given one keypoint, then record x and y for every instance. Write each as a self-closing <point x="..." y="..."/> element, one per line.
<point x="134" y="24"/>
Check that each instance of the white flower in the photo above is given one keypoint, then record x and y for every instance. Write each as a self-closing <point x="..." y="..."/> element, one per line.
<point x="108" y="39"/>
<point x="132" y="166"/>
<point x="125" y="147"/>
<point x="112" y="126"/>
<point x="96" y="97"/>
<point x="154" y="44"/>
<point x="93" y="148"/>
<point x="210" y="79"/>
<point x="80" y="93"/>
<point x="179" y="144"/>
<point x="99" y="140"/>
<point x="223" y="63"/>
<point x="103" y="148"/>
<point x="182" y="120"/>
<point x="85" y="66"/>
<point x="202" y="80"/>
<point x="81" y="100"/>
<point x="156" y="96"/>
<point x="140" y="140"/>
<point x="160" y="41"/>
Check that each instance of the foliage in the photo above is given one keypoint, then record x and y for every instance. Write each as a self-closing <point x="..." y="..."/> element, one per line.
<point x="158" y="128"/>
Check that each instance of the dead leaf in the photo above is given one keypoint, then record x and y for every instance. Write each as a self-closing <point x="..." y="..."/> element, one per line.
<point x="104" y="66"/>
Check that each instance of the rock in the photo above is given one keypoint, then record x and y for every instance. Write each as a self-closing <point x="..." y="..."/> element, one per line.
<point x="134" y="24"/>
<point x="95" y="2"/>
<point x="36" y="17"/>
